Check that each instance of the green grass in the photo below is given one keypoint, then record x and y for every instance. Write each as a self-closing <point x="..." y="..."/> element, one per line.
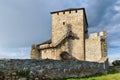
<point x="113" y="74"/>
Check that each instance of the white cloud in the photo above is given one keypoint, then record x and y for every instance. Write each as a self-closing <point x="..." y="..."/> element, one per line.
<point x="115" y="56"/>
<point x="105" y="14"/>
<point x="19" y="53"/>
<point x="114" y="28"/>
<point x="117" y="8"/>
<point x="24" y="22"/>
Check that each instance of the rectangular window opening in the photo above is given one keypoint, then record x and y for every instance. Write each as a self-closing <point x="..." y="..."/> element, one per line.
<point x="76" y="11"/>
<point x="70" y="12"/>
<point x="63" y="23"/>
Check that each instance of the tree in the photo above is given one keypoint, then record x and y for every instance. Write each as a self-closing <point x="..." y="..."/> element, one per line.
<point x="116" y="63"/>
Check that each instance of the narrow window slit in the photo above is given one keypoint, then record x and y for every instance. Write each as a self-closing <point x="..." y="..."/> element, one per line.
<point x="70" y="12"/>
<point x="76" y="11"/>
<point x="63" y="23"/>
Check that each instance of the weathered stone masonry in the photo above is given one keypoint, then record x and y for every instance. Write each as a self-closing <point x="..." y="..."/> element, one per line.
<point x="50" y="68"/>
<point x="70" y="36"/>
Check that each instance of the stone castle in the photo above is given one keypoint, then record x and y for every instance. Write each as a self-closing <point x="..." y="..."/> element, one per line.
<point x="70" y="39"/>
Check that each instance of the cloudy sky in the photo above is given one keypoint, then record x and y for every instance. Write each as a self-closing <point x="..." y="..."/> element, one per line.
<point x="25" y="22"/>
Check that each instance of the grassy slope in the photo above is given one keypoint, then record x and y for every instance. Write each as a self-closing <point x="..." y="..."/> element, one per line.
<point x="115" y="76"/>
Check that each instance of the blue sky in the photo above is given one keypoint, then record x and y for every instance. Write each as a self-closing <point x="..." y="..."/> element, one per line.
<point x="25" y="22"/>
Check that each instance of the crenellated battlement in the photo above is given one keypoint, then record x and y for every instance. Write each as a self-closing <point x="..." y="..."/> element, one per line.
<point x="70" y="10"/>
<point x="97" y="35"/>
<point x="96" y="46"/>
<point x="93" y="35"/>
<point x="65" y="12"/>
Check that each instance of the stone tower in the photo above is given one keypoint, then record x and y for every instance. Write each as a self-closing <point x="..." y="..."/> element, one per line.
<point x="77" y="20"/>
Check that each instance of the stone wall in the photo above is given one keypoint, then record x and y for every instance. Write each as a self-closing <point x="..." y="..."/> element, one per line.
<point x="103" y="43"/>
<point x="54" y="53"/>
<point x="35" y="53"/>
<point x="52" y="68"/>
<point x="96" y="49"/>
<point x="93" y="48"/>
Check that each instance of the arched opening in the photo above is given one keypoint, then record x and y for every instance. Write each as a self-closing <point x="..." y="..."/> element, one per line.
<point x="65" y="55"/>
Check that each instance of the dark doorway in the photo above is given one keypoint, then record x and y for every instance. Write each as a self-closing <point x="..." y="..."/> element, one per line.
<point x="65" y="55"/>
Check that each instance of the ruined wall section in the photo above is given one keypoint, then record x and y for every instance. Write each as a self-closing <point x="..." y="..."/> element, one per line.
<point x="103" y="43"/>
<point x="96" y="47"/>
<point x="93" y="47"/>
<point x="54" y="53"/>
<point x="59" y="27"/>
<point x="35" y="53"/>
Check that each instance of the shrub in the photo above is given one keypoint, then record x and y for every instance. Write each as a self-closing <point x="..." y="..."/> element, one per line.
<point x="116" y="63"/>
<point x="23" y="73"/>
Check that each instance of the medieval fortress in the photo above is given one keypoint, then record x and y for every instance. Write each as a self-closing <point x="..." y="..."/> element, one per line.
<point x="71" y="52"/>
<point x="70" y="39"/>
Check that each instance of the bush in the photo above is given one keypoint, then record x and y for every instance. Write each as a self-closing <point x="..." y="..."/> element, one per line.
<point x="23" y="73"/>
<point x="116" y="63"/>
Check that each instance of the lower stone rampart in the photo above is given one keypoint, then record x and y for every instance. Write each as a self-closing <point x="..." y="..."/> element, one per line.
<point x="51" y="68"/>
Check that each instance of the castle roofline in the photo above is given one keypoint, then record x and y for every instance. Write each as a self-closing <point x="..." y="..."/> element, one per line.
<point x="45" y="42"/>
<point x="72" y="9"/>
<point x="69" y="9"/>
